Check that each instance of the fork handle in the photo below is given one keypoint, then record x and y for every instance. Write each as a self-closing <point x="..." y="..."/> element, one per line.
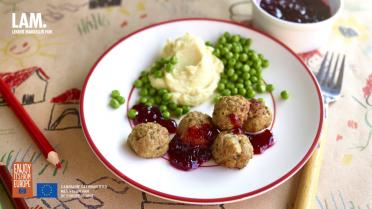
<point x="308" y="185"/>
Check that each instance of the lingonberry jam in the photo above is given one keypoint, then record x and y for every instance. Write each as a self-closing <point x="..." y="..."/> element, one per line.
<point x="237" y="127"/>
<point x="152" y="114"/>
<point x="300" y="11"/>
<point x="193" y="148"/>
<point x="261" y="141"/>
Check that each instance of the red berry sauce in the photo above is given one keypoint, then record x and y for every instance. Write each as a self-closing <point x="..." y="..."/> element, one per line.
<point x="193" y="149"/>
<point x="299" y="11"/>
<point x="237" y="127"/>
<point x="152" y="114"/>
<point x="261" y="141"/>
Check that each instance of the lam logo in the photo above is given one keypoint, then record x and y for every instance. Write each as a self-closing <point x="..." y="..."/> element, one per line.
<point x="33" y="20"/>
<point x="29" y="23"/>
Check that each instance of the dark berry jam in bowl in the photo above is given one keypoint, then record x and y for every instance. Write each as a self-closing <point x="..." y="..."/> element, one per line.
<point x="302" y="25"/>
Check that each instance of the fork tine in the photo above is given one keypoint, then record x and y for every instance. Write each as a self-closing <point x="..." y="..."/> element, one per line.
<point x="341" y="74"/>
<point x="320" y="74"/>
<point x="332" y="80"/>
<point x="326" y="77"/>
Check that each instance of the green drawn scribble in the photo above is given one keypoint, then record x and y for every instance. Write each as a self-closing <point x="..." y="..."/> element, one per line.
<point x="2" y="157"/>
<point x="9" y="158"/>
<point x="64" y="169"/>
<point x="56" y="169"/>
<point x="43" y="169"/>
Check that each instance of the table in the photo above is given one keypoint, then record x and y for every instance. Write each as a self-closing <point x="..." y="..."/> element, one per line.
<point x="83" y="29"/>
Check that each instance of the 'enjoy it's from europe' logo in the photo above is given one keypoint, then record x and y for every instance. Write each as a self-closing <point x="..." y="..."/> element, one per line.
<point x="29" y="23"/>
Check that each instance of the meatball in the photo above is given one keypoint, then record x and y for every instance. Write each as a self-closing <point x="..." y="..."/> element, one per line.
<point x="230" y="112"/>
<point x="259" y="117"/>
<point x="149" y="140"/>
<point x="195" y="128"/>
<point x="232" y="150"/>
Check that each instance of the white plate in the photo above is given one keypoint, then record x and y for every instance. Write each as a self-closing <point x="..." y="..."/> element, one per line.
<point x="296" y="129"/>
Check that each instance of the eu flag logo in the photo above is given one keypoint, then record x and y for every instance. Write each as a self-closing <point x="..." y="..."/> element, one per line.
<point x="47" y="190"/>
<point x="22" y="190"/>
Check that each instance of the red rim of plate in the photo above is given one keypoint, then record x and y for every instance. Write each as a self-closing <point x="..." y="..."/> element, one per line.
<point x="200" y="200"/>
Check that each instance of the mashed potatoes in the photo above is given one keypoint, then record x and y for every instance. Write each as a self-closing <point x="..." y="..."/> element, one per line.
<point x="196" y="74"/>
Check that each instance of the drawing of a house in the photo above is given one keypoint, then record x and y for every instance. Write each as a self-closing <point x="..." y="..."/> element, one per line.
<point x="29" y="85"/>
<point x="65" y="111"/>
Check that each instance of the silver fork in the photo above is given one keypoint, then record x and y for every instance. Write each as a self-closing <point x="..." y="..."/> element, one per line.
<point x="330" y="81"/>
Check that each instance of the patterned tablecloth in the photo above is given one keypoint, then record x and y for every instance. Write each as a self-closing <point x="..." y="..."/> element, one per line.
<point x="82" y="30"/>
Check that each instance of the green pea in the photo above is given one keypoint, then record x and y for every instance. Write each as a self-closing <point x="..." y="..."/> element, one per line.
<point x="152" y="91"/>
<point x="230" y="85"/>
<point x="222" y="40"/>
<point x="227" y="35"/>
<point x="236" y="56"/>
<point x="224" y="62"/>
<point x="221" y="86"/>
<point x="151" y="101"/>
<point x="145" y="79"/>
<point x="226" y="92"/>
<point x="173" y="60"/>
<point x="138" y="83"/>
<point x="254" y="79"/>
<point x="144" y="92"/>
<point x="248" y="43"/>
<point x="235" y="38"/>
<point x="166" y="114"/>
<point x="230" y="72"/>
<point x="239" y="86"/>
<point x="236" y="49"/>
<point x="163" y="108"/>
<point x="114" y="103"/>
<point x="172" y="105"/>
<point x="250" y="94"/>
<point x="252" y="72"/>
<point x="225" y="51"/>
<point x="235" y="77"/>
<point x="243" y="57"/>
<point x="240" y="81"/>
<point x="132" y="113"/>
<point x="234" y="91"/>
<point x="143" y="99"/>
<point x="232" y="62"/>
<point x="248" y="83"/>
<point x="185" y="109"/>
<point x="158" y="74"/>
<point x="254" y="57"/>
<point x="261" y="88"/>
<point x="168" y="68"/>
<point x="238" y="65"/>
<point x="270" y="88"/>
<point x="246" y="68"/>
<point x="229" y="55"/>
<point x="178" y="111"/>
<point x="162" y="91"/>
<point x="121" y="100"/>
<point x="167" y="96"/>
<point x="217" y="52"/>
<point x="284" y="94"/>
<point x="242" y="91"/>
<point x="216" y="98"/>
<point x="229" y="46"/>
<point x="208" y="43"/>
<point x="115" y="93"/>
<point x="246" y="76"/>
<point x="157" y="99"/>
<point x="265" y="63"/>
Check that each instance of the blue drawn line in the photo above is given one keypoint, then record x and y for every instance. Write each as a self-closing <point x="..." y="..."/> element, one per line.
<point x="334" y="201"/>
<point x="26" y="152"/>
<point x="320" y="205"/>
<point x="342" y="199"/>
